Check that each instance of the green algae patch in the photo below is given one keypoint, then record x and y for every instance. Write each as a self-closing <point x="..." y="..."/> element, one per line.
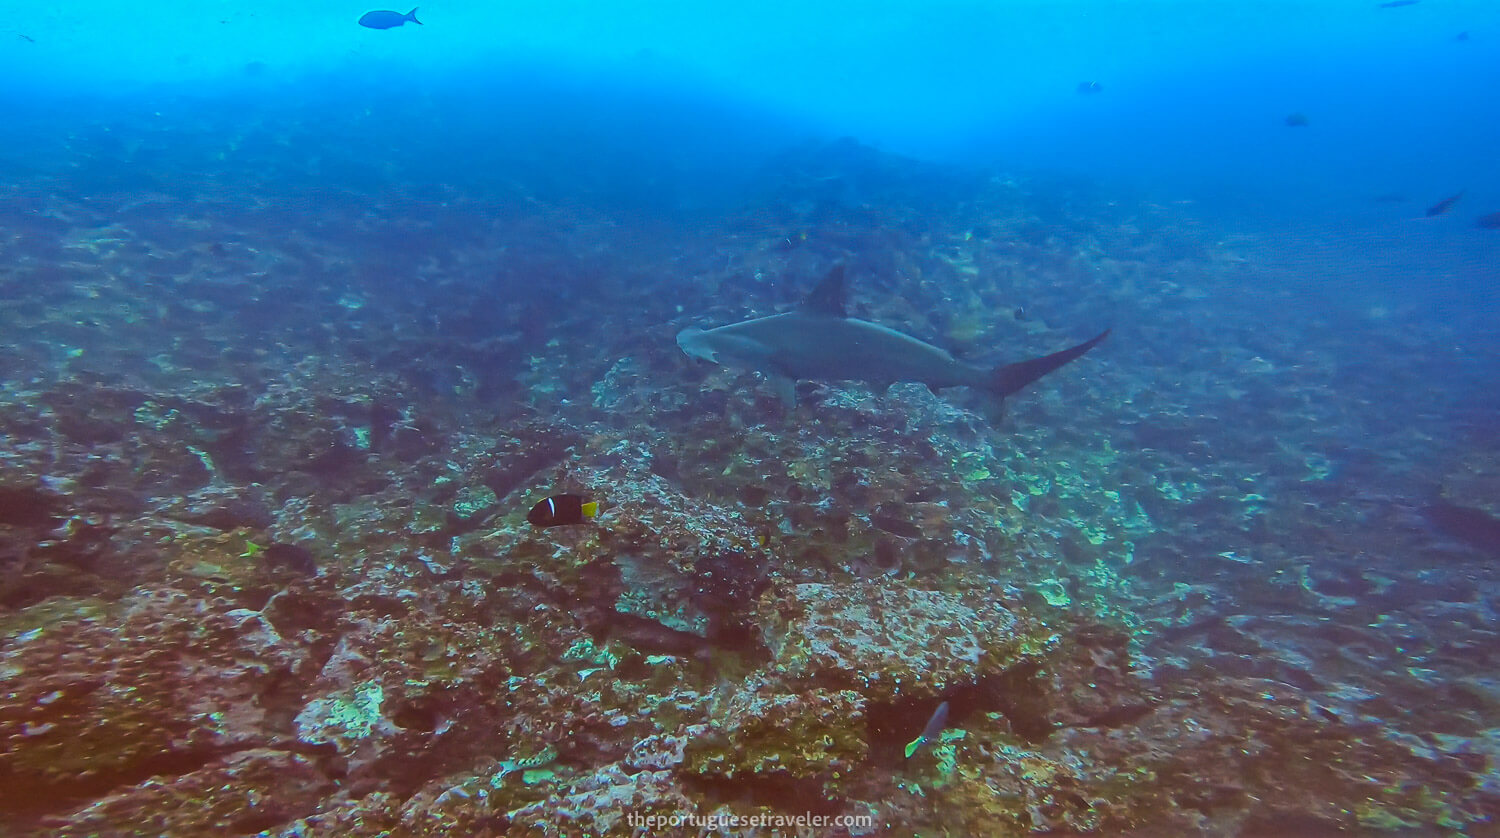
<point x="342" y="719"/>
<point x="472" y="500"/>
<point x="586" y="651"/>
<point x="530" y="766"/>
<point x="1055" y="592"/>
<point x="1372" y="815"/>
<point x="1318" y="466"/>
<point x="945" y="756"/>
<point x="537" y="776"/>
<point x="972" y="467"/>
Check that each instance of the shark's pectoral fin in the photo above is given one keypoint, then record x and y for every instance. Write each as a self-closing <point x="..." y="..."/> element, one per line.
<point x="695" y="343"/>
<point x="785" y="387"/>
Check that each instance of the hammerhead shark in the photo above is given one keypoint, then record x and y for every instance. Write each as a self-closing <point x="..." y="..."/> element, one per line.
<point x="819" y="341"/>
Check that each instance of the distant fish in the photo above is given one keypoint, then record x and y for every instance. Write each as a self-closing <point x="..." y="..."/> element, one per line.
<point x="1462" y="36"/>
<point x="930" y="733"/>
<point x="562" y="511"/>
<point x="1296" y="120"/>
<point x="30" y="40"/>
<point x="1089" y="88"/>
<point x="1444" y="205"/>
<point x="1474" y="527"/>
<point x="388" y="20"/>
<point x="1394" y="4"/>
<point x="1488" y="222"/>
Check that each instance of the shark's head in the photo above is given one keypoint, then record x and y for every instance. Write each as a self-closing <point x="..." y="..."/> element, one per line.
<point x="697" y="344"/>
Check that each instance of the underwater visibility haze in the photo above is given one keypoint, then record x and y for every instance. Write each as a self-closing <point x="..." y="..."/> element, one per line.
<point x="886" y="418"/>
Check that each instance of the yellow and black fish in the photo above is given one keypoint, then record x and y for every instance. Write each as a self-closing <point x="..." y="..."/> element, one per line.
<point x="562" y="510"/>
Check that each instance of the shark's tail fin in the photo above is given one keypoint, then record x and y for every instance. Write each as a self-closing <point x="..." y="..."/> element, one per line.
<point x="1010" y="378"/>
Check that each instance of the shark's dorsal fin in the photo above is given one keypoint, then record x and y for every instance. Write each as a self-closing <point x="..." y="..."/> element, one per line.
<point x="828" y="297"/>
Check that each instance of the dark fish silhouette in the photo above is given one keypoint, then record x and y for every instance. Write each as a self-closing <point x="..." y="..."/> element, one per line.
<point x="1462" y="36"/>
<point x="1444" y="205"/>
<point x="1296" y="120"/>
<point x="388" y="20"/>
<point x="1474" y="527"/>
<point x="1488" y="222"/>
<point x="1088" y="88"/>
<point x="1394" y="4"/>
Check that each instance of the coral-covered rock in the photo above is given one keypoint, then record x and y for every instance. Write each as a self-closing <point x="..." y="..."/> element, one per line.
<point x="346" y="718"/>
<point x="237" y="565"/>
<point x="387" y="698"/>
<point x="655" y="555"/>
<point x="243" y="793"/>
<point x="605" y="802"/>
<point x="661" y="751"/>
<point x="1092" y="682"/>
<point x="374" y="814"/>
<point x="160" y="683"/>
<point x="689" y="564"/>
<point x="819" y="734"/>
<point x="886" y="640"/>
<point x="266" y="456"/>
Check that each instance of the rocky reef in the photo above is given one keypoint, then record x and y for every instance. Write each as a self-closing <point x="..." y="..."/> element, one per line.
<point x="267" y="568"/>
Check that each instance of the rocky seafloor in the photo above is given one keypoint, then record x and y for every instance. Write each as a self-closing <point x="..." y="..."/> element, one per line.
<point x="266" y="465"/>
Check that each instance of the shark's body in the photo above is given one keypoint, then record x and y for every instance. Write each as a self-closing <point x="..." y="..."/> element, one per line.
<point x="820" y="342"/>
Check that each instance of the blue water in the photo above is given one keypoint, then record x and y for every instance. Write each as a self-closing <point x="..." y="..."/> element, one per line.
<point x="345" y="276"/>
<point x="1189" y="89"/>
<point x="1192" y="101"/>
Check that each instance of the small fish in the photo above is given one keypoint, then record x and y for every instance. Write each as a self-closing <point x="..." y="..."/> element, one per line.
<point x="930" y="733"/>
<point x="1088" y="88"/>
<point x="562" y="510"/>
<point x="388" y="20"/>
<point x="1296" y="120"/>
<point x="1462" y="36"/>
<point x="1396" y="4"/>
<point x="1444" y="205"/>
<point x="1488" y="222"/>
<point x="30" y="40"/>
